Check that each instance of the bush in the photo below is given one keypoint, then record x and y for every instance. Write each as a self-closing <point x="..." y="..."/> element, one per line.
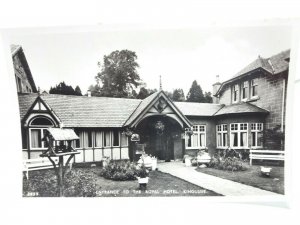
<point x="120" y="171"/>
<point x="77" y="183"/>
<point x="229" y="163"/>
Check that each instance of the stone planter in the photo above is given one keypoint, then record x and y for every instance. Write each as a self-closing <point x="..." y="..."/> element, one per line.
<point x="143" y="181"/>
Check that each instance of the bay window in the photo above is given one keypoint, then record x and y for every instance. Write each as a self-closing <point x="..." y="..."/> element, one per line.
<point x="239" y="135"/>
<point x="198" y="138"/>
<point x="256" y="134"/>
<point x="222" y="135"/>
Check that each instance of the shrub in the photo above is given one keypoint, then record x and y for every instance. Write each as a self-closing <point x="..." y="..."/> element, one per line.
<point x="229" y="163"/>
<point x="119" y="171"/>
<point x="142" y="172"/>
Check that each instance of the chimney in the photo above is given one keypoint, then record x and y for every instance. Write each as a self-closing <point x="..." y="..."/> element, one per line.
<point x="89" y="93"/>
<point x="216" y="87"/>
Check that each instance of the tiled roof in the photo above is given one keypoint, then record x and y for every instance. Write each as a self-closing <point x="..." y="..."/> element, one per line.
<point x="197" y="109"/>
<point x="83" y="111"/>
<point x="274" y="65"/>
<point x="238" y="108"/>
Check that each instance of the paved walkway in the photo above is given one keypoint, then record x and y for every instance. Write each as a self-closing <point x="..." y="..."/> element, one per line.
<point x="213" y="183"/>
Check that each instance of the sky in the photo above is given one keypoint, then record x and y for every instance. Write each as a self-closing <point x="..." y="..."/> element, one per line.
<point x="180" y="56"/>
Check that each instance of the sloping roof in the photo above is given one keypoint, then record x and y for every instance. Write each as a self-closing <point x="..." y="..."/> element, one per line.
<point x="274" y="65"/>
<point x="141" y="107"/>
<point x="83" y="111"/>
<point x="62" y="134"/>
<point x="239" y="108"/>
<point x="197" y="109"/>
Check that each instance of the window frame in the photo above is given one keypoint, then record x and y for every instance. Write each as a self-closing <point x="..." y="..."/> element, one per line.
<point x="239" y="131"/>
<point x="42" y="142"/>
<point x="245" y="90"/>
<point x="222" y="131"/>
<point x="235" y="93"/>
<point x="197" y="133"/>
<point x="256" y="130"/>
<point x="113" y="138"/>
<point x="254" y="84"/>
<point x="104" y="139"/>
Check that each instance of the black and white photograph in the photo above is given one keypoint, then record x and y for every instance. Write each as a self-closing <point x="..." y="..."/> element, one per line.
<point x="148" y="112"/>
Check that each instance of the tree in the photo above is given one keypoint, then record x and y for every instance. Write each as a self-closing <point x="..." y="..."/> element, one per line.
<point x="64" y="89"/>
<point x="144" y="93"/>
<point x="95" y="90"/>
<point x="178" y="95"/>
<point x="195" y="93"/>
<point x="118" y="74"/>
<point x="78" y="91"/>
<point x="208" y="97"/>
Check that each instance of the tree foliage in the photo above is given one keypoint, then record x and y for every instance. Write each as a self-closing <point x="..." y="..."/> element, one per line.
<point x="144" y="93"/>
<point x="178" y="95"/>
<point x="118" y="75"/>
<point x="208" y="98"/>
<point x="64" y="89"/>
<point x="195" y="93"/>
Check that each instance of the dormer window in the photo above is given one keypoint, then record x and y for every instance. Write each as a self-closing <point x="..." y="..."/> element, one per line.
<point x="254" y="84"/>
<point x="235" y="92"/>
<point x="245" y="90"/>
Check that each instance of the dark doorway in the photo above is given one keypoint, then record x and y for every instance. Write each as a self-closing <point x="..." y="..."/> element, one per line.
<point x="158" y="134"/>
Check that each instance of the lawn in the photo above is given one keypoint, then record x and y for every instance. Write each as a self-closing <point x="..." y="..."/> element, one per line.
<point x="160" y="184"/>
<point x="252" y="177"/>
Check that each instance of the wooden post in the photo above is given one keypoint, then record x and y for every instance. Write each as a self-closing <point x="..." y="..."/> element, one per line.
<point x="60" y="177"/>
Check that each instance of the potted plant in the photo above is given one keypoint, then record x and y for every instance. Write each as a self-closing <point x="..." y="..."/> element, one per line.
<point x="142" y="174"/>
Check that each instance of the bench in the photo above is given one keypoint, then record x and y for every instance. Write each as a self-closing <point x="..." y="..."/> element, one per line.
<point x="37" y="164"/>
<point x="266" y="155"/>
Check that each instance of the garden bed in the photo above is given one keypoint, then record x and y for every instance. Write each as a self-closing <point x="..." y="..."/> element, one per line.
<point x="252" y="176"/>
<point x="88" y="182"/>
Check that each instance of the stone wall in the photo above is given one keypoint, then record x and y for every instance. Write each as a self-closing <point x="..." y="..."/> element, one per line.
<point x="20" y="73"/>
<point x="270" y="94"/>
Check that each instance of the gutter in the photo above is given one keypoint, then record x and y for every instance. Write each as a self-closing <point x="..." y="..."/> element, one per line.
<point x="282" y="106"/>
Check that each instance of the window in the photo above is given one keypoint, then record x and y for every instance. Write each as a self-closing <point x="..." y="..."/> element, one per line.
<point x="222" y="135"/>
<point x="41" y="121"/>
<point x="235" y="92"/>
<point x="107" y="140"/>
<point x="115" y="135"/>
<point x="239" y="135"/>
<point x="254" y="85"/>
<point x="37" y="132"/>
<point x="124" y="140"/>
<point x="36" y="135"/>
<point x="245" y="90"/>
<point x="78" y="142"/>
<point x="197" y="139"/>
<point x="98" y="139"/>
<point x="256" y="134"/>
<point x="19" y="84"/>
